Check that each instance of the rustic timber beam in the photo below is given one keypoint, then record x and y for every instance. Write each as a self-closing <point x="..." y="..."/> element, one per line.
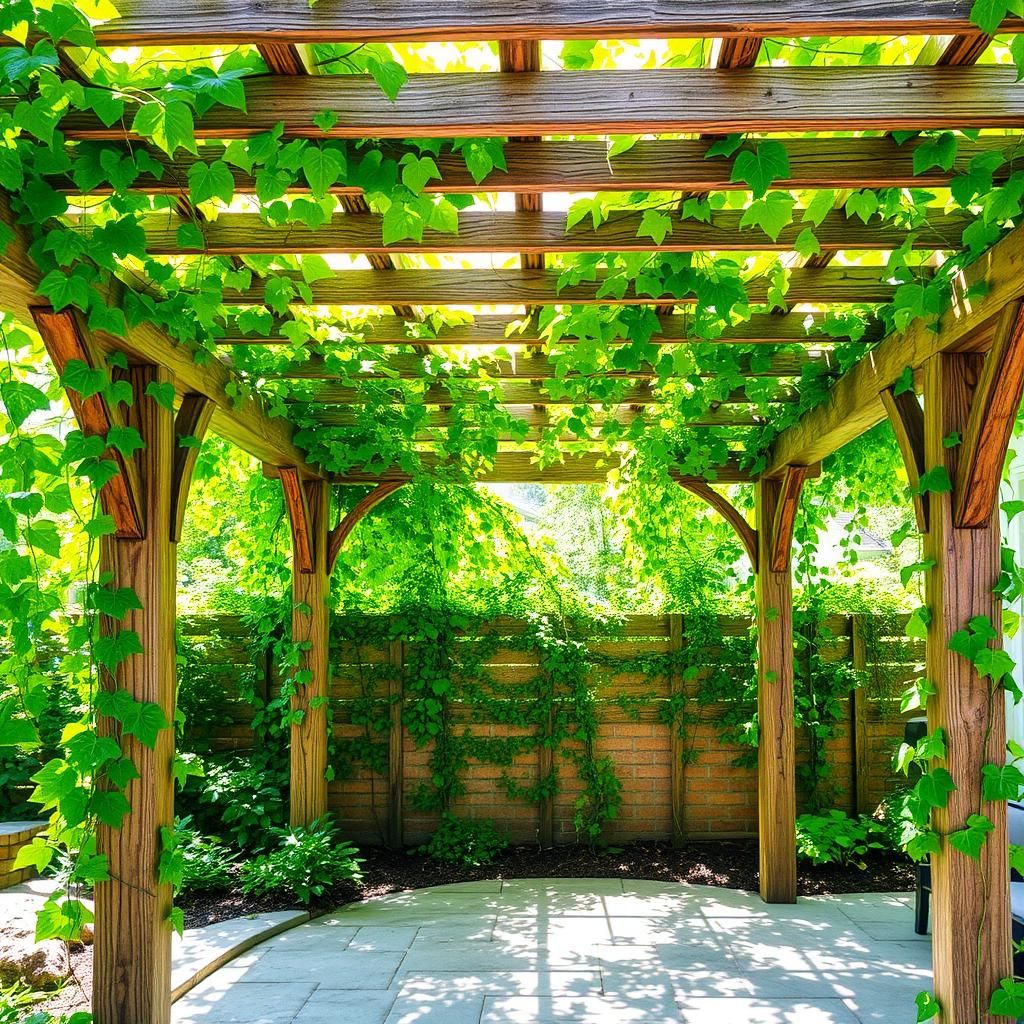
<point x="337" y="537"/>
<point x="65" y="338"/>
<point x="510" y="330"/>
<point x="190" y="426"/>
<point x="732" y="515"/>
<point x="541" y="288"/>
<point x="599" y="102"/>
<point x="652" y="165"/>
<point x="994" y="407"/>
<point x="537" y="232"/>
<point x="853" y="404"/>
<point x="787" y="504"/>
<point x="297" y="507"/>
<point x="907" y="420"/>
<point x="214" y="22"/>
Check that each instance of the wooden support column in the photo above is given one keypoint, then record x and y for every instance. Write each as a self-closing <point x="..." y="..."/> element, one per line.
<point x="971" y="917"/>
<point x="308" y="505"/>
<point x="132" y="954"/>
<point x="776" y="758"/>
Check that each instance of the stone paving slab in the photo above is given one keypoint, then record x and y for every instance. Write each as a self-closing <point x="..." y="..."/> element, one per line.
<point x="561" y="951"/>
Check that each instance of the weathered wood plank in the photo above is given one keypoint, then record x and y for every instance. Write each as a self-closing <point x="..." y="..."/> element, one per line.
<point x="529" y="232"/>
<point x="213" y="22"/>
<point x="540" y="288"/>
<point x="299" y="519"/>
<point x="651" y="165"/>
<point x="598" y="102"/>
<point x="787" y="505"/>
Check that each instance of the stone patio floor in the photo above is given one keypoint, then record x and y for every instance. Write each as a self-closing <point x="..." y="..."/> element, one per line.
<point x="593" y="951"/>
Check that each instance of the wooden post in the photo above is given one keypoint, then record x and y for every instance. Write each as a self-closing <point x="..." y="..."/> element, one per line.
<point x="545" y="766"/>
<point x="859" y="720"/>
<point x="132" y="953"/>
<point x="776" y="757"/>
<point x="971" y="916"/>
<point x="678" y="768"/>
<point x="310" y="632"/>
<point x="396" y="747"/>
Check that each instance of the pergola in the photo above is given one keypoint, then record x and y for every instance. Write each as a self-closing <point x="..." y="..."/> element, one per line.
<point x="968" y="367"/>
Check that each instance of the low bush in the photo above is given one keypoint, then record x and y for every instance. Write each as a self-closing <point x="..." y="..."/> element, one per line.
<point x="207" y="865"/>
<point x="836" y="838"/>
<point x="468" y="843"/>
<point x="242" y="802"/>
<point x="305" y="862"/>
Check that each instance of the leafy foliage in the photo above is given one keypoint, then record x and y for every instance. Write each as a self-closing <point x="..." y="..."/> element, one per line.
<point x="465" y="842"/>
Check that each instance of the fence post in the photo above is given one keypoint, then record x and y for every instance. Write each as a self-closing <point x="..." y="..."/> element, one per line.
<point x="678" y="774"/>
<point x="396" y="745"/>
<point x="545" y="765"/>
<point x="859" y="718"/>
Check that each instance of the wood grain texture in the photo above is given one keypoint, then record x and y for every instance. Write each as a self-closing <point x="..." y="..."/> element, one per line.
<point x="786" y="508"/>
<point x="731" y="514"/>
<point x="970" y="936"/>
<point x="994" y="409"/>
<point x="65" y="338"/>
<point x="520" y="467"/>
<point x="538" y="232"/>
<point x="651" y="165"/>
<point x="760" y="329"/>
<point x="907" y="421"/>
<point x="299" y="519"/>
<point x="854" y="405"/>
<point x="340" y="533"/>
<point x="628" y="102"/>
<point x="776" y="756"/>
<point x="210" y="22"/>
<point x="132" y="951"/>
<point x="192" y="421"/>
<point x="515" y="287"/>
<point x="311" y="630"/>
<point x="861" y="752"/>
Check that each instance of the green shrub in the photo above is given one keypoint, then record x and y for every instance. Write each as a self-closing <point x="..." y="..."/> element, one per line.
<point x="306" y="862"/>
<point x="207" y="864"/>
<point x="469" y="843"/>
<point x="836" y="838"/>
<point x="243" y="803"/>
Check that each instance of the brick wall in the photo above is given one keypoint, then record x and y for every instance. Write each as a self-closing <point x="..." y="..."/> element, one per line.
<point x="13" y="836"/>
<point x="719" y="798"/>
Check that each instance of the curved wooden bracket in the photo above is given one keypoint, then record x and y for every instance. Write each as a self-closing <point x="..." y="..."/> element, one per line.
<point x="190" y="426"/>
<point x="994" y="407"/>
<point x="66" y="340"/>
<point x="722" y="505"/>
<point x="784" y="520"/>
<point x="297" y="506"/>
<point x="907" y="419"/>
<point x="339" y="534"/>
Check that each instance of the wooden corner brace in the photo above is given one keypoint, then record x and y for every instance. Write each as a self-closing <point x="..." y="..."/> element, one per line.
<point x="338" y="536"/>
<point x="192" y="422"/>
<point x="746" y="533"/>
<point x="297" y="506"/>
<point x="784" y="520"/>
<point x="907" y="420"/>
<point x="66" y="339"/>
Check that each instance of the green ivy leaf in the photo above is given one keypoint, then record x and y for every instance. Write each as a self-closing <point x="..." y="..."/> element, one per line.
<point x="417" y="171"/>
<point x="80" y="377"/>
<point x="127" y="440"/>
<point x="15" y="730"/>
<point x="971" y="839"/>
<point x="112" y="650"/>
<point x="162" y="393"/>
<point x="933" y="788"/>
<point x="938" y="151"/>
<point x="388" y="74"/>
<point x="1001" y="782"/>
<point x="21" y="400"/>
<point x="1008" y="999"/>
<point x="116" y="602"/>
<point x="325" y="120"/>
<point x="169" y="125"/>
<point x="927" y="1007"/>
<point x="322" y="168"/>
<point x="654" y="224"/>
<point x="935" y="481"/>
<point x="109" y="806"/>
<point x="771" y="214"/>
<point x="210" y="181"/>
<point x="141" y="719"/>
<point x="767" y="163"/>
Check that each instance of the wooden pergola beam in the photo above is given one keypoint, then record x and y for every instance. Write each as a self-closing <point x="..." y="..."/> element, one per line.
<point x="516" y="287"/>
<point x="337" y="537"/>
<point x="297" y="507"/>
<point x="787" y="504"/>
<point x="732" y="515"/>
<point x="670" y="165"/>
<point x="854" y="406"/>
<point x="597" y="102"/>
<point x="215" y="22"/>
<point x="538" y="232"/>
<point x="490" y="329"/>
<point x="190" y="426"/>
<point x="907" y="420"/>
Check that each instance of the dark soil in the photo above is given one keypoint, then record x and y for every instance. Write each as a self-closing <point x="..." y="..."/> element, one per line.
<point x="730" y="864"/>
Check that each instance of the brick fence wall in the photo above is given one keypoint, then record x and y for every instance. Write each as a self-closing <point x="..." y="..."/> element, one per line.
<point x="715" y="796"/>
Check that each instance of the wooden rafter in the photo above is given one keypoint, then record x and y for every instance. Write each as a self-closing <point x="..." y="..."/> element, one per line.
<point x="784" y="519"/>
<point x="536" y="232"/>
<point x="65" y="338"/>
<point x="746" y="533"/>
<point x="297" y="507"/>
<point x="598" y="102"/>
<point x="213" y="22"/>
<point x="907" y="420"/>
<point x="994" y="407"/>
<point x="190" y="426"/>
<point x="337" y="537"/>
<point x="671" y="165"/>
<point x="541" y="287"/>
